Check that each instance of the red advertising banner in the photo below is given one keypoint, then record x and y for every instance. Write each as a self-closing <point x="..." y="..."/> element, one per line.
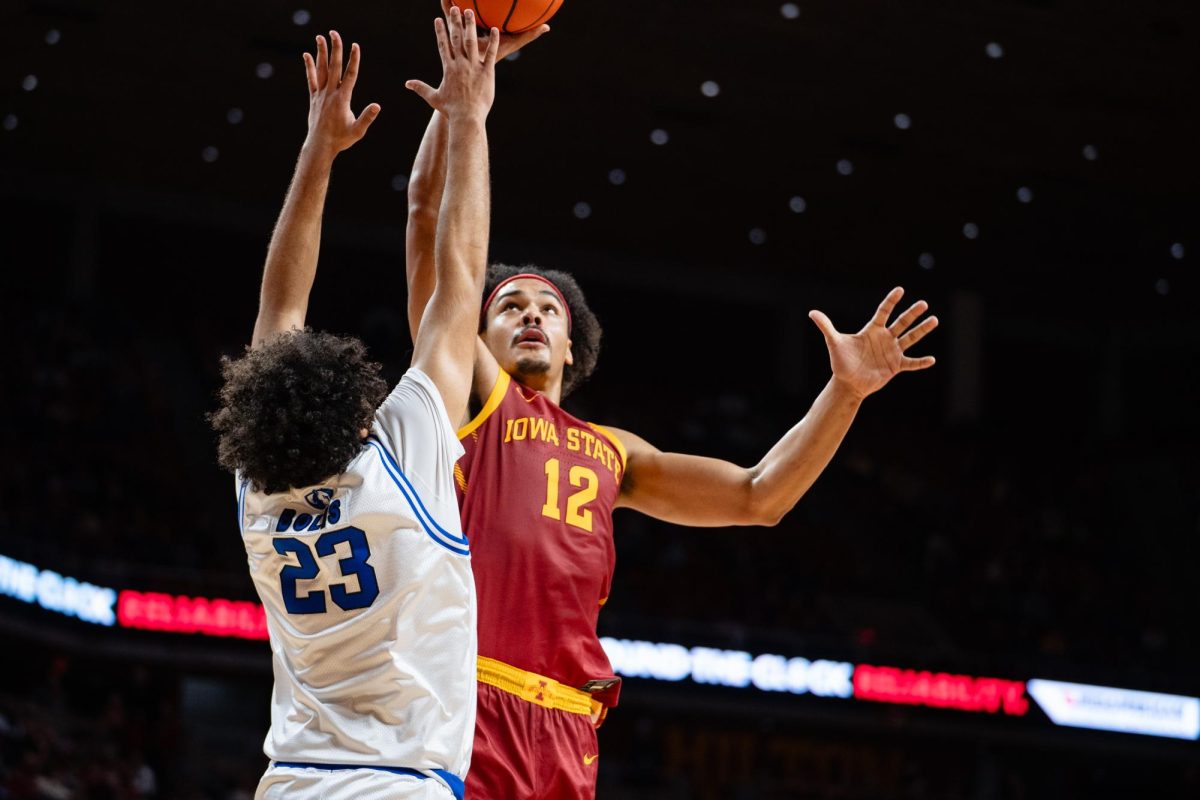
<point x="155" y="611"/>
<point x="940" y="690"/>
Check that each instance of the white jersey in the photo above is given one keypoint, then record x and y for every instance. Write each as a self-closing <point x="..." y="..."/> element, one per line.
<point x="370" y="603"/>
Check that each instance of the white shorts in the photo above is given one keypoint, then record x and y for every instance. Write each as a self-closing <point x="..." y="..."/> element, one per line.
<point x="310" y="783"/>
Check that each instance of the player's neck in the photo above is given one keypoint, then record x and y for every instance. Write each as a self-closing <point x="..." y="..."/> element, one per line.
<point x="545" y="385"/>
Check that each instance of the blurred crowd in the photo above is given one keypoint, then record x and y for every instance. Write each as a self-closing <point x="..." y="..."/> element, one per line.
<point x="95" y="728"/>
<point x="1000" y="547"/>
<point x="69" y="737"/>
<point x="949" y="546"/>
<point x="89" y="728"/>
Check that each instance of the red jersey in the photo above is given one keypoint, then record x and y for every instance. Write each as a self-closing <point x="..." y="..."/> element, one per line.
<point x="536" y="488"/>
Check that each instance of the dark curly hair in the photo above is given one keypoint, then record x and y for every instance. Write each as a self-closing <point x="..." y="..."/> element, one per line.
<point x="585" y="327"/>
<point x="292" y="410"/>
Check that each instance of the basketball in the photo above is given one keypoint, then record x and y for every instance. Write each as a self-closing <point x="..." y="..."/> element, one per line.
<point x="510" y="16"/>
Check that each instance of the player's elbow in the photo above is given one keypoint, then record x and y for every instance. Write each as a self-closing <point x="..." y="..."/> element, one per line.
<point x="422" y="214"/>
<point x="764" y="517"/>
<point x="750" y="516"/>
<point x="761" y="508"/>
<point x="423" y="206"/>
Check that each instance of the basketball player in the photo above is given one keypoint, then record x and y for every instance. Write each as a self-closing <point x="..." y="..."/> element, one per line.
<point x="345" y="492"/>
<point x="537" y="487"/>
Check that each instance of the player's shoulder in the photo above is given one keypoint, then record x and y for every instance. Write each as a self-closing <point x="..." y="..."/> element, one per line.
<point x="615" y="437"/>
<point x="415" y="381"/>
<point x="414" y="401"/>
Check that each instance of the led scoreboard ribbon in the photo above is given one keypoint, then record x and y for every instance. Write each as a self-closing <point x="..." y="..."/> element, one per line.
<point x="1070" y="704"/>
<point x="152" y="611"/>
<point x="1076" y="705"/>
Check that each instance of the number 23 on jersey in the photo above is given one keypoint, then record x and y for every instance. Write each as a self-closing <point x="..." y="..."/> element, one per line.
<point x="307" y="568"/>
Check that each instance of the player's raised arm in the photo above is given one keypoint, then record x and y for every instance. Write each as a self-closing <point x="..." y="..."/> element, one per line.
<point x="444" y="346"/>
<point x="425" y="186"/>
<point x="332" y="127"/>
<point x="691" y="490"/>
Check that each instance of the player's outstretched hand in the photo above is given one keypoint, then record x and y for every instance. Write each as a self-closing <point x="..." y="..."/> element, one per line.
<point x="509" y="42"/>
<point x="468" y="79"/>
<point x="332" y="126"/>
<point x="865" y="361"/>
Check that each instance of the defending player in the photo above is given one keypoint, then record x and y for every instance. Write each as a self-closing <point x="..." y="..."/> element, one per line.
<point x="345" y="492"/>
<point x="537" y="487"/>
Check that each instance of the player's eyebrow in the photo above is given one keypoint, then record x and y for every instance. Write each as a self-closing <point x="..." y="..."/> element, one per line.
<point x="515" y="290"/>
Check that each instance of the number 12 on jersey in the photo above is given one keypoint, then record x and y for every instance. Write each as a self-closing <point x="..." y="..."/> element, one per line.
<point x="581" y="478"/>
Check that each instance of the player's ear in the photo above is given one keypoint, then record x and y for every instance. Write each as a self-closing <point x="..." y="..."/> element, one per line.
<point x="570" y="359"/>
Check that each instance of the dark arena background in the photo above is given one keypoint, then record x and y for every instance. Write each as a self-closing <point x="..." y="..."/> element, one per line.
<point x="991" y="593"/>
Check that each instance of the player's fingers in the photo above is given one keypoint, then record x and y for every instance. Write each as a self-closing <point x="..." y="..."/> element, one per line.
<point x="423" y="89"/>
<point x="824" y="324"/>
<point x="335" y="57"/>
<point x="456" y="32"/>
<point x="352" y="69"/>
<point x="446" y="8"/>
<point x="913" y="364"/>
<point x="918" y="333"/>
<point x="470" y="42"/>
<point x="887" y="306"/>
<point x="322" y="63"/>
<point x="493" y="48"/>
<point x="310" y="70"/>
<point x="365" y="119"/>
<point x="443" y="42"/>
<point x="908" y="317"/>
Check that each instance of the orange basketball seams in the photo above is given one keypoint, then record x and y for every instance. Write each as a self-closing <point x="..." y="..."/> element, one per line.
<point x="511" y="16"/>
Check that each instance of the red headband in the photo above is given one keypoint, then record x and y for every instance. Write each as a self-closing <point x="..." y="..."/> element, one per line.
<point x="526" y="276"/>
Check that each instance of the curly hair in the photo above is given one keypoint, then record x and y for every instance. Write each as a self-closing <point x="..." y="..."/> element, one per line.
<point x="585" y="327"/>
<point x="292" y="410"/>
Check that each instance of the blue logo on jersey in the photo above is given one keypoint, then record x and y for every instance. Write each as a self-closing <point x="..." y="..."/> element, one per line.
<point x="319" y="498"/>
<point x="290" y="520"/>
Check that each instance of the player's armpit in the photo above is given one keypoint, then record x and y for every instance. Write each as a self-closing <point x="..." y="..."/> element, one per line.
<point x="487" y="371"/>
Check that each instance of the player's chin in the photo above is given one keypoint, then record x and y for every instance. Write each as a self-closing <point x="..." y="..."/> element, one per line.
<point x="533" y="364"/>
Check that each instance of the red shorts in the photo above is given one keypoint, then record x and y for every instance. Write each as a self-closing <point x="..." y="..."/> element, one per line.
<point x="525" y="751"/>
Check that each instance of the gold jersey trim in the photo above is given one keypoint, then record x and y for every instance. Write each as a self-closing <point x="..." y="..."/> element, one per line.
<point x="493" y="402"/>
<point x="612" y="437"/>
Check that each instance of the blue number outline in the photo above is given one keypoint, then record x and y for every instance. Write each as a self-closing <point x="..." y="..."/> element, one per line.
<point x="306" y="570"/>
<point x="354" y="565"/>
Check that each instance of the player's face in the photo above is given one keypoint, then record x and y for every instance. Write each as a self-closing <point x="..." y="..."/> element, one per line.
<point x="527" y="331"/>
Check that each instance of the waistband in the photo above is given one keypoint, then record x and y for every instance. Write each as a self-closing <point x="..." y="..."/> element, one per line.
<point x="537" y="689"/>
<point x="452" y="781"/>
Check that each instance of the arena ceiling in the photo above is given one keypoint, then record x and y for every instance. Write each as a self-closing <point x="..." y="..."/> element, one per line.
<point x="826" y="141"/>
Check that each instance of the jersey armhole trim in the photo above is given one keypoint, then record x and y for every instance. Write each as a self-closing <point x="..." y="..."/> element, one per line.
<point x="616" y="442"/>
<point x="499" y="389"/>
<point x="242" y="506"/>
<point x="455" y="544"/>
